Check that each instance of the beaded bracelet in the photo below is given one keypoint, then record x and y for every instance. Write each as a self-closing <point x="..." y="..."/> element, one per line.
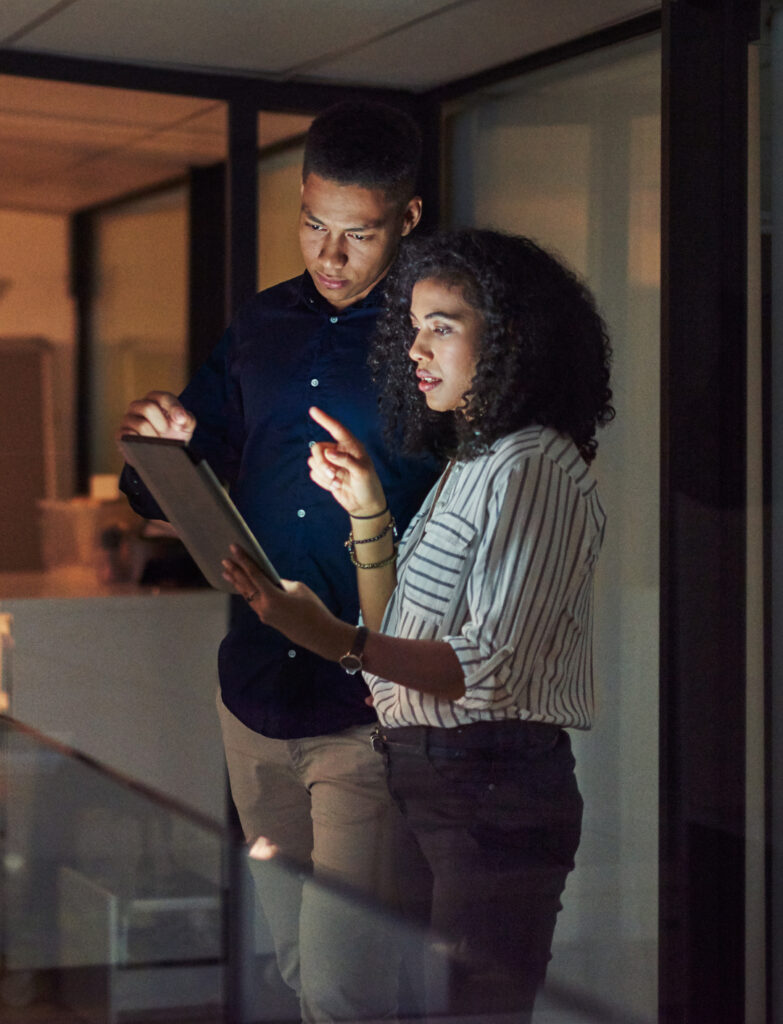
<point x="352" y="542"/>
<point x="391" y="525"/>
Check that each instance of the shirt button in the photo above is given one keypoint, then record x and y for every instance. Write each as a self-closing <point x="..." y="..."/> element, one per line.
<point x="314" y="382"/>
<point x="332" y="319"/>
<point x="301" y="513"/>
<point x="292" y="654"/>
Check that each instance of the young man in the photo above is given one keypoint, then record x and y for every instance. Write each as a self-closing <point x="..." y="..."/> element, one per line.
<point x="296" y="728"/>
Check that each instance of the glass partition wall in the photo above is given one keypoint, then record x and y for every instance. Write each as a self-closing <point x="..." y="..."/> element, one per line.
<point x="570" y="156"/>
<point x="139" y="314"/>
<point x="111" y="896"/>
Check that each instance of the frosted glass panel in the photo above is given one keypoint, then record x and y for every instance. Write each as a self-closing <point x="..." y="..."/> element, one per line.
<point x="139" y="314"/>
<point x="570" y="156"/>
<point x="279" y="180"/>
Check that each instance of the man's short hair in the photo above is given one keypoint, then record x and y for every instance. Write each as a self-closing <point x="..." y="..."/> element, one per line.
<point x="365" y="143"/>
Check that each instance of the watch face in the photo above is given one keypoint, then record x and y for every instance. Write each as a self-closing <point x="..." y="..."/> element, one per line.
<point x="351" y="663"/>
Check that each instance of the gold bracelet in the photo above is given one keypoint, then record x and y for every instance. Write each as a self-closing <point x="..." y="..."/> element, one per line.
<point x="373" y="565"/>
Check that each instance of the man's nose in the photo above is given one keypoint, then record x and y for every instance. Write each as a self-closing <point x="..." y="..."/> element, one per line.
<point x="333" y="253"/>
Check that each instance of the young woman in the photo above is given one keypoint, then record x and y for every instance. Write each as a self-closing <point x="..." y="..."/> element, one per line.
<point x="476" y="636"/>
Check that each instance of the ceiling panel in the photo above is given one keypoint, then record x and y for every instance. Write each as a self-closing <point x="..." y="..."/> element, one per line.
<point x="39" y="129"/>
<point x="95" y="103"/>
<point x="268" y="36"/>
<point x="64" y="146"/>
<point x="32" y="164"/>
<point x="16" y="14"/>
<point x="457" y="42"/>
<point x="274" y="128"/>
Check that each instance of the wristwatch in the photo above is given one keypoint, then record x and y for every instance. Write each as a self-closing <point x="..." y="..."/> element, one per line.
<point x="351" y="661"/>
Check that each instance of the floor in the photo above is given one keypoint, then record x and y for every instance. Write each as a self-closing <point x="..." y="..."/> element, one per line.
<point x="30" y="997"/>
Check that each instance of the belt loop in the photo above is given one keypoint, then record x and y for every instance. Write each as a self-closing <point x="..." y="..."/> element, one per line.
<point x="377" y="743"/>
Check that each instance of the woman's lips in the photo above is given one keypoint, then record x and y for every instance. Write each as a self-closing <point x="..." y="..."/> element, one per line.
<point x="426" y="380"/>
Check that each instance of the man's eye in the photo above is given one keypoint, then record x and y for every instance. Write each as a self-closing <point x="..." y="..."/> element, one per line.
<point x="315" y="227"/>
<point x="358" y="238"/>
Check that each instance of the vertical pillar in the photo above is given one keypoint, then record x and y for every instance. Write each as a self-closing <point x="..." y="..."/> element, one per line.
<point x="82" y="280"/>
<point x="241" y="282"/>
<point x="428" y="115"/>
<point x="703" y="510"/>
<point x="207" y="263"/>
<point x="241" y="205"/>
<point x="775" y="705"/>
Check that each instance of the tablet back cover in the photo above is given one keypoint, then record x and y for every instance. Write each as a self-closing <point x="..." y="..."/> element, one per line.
<point x="196" y="505"/>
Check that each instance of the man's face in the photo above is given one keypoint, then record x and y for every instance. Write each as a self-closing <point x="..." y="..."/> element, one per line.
<point x="349" y="236"/>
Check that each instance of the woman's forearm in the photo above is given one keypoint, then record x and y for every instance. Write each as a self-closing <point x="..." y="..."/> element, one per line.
<point x="373" y="551"/>
<point x="429" y="666"/>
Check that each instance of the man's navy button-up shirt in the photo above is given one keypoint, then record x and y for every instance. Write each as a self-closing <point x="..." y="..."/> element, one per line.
<point x="286" y="350"/>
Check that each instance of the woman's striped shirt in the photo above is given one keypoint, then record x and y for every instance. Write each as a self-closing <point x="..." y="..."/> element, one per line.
<point x="500" y="566"/>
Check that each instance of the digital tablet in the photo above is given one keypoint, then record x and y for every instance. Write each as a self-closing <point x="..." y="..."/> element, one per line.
<point x="196" y="504"/>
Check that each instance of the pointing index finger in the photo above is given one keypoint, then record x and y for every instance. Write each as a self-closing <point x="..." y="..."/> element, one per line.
<point x="331" y="425"/>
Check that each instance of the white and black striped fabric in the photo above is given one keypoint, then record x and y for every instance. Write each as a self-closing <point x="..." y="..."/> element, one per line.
<point x="502" y="569"/>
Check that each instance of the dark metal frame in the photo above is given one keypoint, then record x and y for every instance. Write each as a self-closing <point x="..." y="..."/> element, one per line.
<point x="703" y="510"/>
<point x="702" y="641"/>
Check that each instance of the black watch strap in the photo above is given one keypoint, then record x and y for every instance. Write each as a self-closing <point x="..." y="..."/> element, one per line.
<point x="351" y="661"/>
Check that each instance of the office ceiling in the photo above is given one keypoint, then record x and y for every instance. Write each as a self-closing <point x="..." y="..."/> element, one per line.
<point x="65" y="146"/>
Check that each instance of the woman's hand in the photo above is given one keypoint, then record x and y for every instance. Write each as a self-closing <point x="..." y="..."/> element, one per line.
<point x="295" y="610"/>
<point x="344" y="468"/>
<point x="430" y="666"/>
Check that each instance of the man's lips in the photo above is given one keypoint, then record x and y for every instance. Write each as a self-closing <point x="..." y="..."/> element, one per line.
<point x="331" y="282"/>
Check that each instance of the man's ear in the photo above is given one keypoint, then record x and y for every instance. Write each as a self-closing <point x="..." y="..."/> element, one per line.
<point x="411" y="216"/>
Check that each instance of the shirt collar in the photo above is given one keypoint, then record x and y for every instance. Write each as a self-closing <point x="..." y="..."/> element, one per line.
<point x="308" y="295"/>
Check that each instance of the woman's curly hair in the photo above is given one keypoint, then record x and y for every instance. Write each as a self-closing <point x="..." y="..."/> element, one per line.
<point x="544" y="352"/>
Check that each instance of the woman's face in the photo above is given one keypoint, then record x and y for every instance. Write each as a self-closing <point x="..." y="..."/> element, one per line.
<point x="446" y="346"/>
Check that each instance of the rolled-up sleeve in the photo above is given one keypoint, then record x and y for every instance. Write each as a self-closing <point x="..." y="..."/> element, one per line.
<point x="529" y="560"/>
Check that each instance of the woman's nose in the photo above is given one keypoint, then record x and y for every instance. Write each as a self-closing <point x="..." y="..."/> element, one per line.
<point x="418" y="349"/>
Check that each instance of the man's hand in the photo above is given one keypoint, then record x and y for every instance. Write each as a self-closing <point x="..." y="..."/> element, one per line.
<point x="344" y="468"/>
<point x="158" y="414"/>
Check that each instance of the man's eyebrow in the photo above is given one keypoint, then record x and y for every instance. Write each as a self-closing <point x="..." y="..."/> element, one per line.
<point x="369" y="225"/>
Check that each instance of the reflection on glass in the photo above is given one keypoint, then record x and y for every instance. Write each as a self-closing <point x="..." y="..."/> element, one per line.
<point x="104" y="884"/>
<point x="570" y="156"/>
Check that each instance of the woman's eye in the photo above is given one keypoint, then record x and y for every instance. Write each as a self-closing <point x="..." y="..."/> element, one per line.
<point x="442" y="330"/>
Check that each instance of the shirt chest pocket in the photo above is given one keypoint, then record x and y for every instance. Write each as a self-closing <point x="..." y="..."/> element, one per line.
<point x="437" y="568"/>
